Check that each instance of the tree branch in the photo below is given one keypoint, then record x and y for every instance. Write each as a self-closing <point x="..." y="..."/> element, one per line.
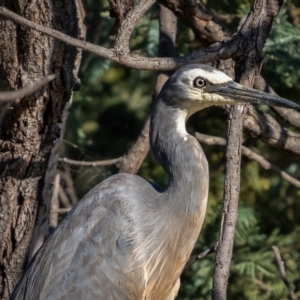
<point x="13" y="95"/>
<point x="282" y="272"/>
<point x="132" y="160"/>
<point x="119" y="10"/>
<point x="255" y="29"/>
<point x="136" y="61"/>
<point x="202" y="255"/>
<point x="127" y="26"/>
<point x="206" y="26"/>
<point x="290" y="115"/>
<point x="214" y="140"/>
<point x="262" y="125"/>
<point x="64" y="199"/>
<point x="69" y="186"/>
<point x="60" y="210"/>
<point x="53" y="217"/>
<point x="166" y="46"/>
<point x="101" y="163"/>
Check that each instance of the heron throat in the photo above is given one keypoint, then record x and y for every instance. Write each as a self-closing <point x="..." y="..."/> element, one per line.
<point x="179" y="154"/>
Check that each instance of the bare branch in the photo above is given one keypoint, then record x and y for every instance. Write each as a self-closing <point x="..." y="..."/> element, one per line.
<point x="207" y="28"/>
<point x="119" y="10"/>
<point x="214" y="140"/>
<point x="136" y="61"/>
<point x="69" y="185"/>
<point x="282" y="272"/>
<point x="123" y="36"/>
<point x="230" y="204"/>
<point x="100" y="163"/>
<point x="132" y="160"/>
<point x="262" y="125"/>
<point x="13" y="95"/>
<point x="53" y="217"/>
<point x="290" y="115"/>
<point x="60" y="210"/>
<point x="166" y="46"/>
<point x="262" y="285"/>
<point x="255" y="29"/>
<point x="64" y="199"/>
<point x="202" y="255"/>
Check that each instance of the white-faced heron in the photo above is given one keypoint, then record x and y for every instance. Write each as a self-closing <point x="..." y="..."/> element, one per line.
<point x="127" y="239"/>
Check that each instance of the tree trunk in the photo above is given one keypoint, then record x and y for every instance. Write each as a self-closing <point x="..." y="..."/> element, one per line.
<point x="32" y="127"/>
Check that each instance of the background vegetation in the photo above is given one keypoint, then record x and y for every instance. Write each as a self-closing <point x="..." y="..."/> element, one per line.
<point x="109" y="111"/>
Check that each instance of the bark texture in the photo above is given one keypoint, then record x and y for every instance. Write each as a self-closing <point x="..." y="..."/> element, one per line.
<point x="31" y="127"/>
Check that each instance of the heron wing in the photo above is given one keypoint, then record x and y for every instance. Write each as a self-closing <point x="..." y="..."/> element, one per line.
<point x="91" y="253"/>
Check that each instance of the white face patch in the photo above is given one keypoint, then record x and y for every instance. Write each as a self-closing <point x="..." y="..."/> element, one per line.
<point x="188" y="73"/>
<point x="195" y="98"/>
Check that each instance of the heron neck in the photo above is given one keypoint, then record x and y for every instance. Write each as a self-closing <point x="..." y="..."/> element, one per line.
<point x="180" y="155"/>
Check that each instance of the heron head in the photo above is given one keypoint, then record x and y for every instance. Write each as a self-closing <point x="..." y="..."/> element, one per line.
<point x="195" y="87"/>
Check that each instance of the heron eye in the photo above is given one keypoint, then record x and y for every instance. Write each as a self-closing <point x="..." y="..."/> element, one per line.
<point x="199" y="82"/>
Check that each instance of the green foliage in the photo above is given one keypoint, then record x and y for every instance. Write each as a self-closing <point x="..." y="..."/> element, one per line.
<point x="283" y="46"/>
<point x="107" y="116"/>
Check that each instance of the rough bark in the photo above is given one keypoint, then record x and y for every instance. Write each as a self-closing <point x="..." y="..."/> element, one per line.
<point x="119" y="10"/>
<point x="31" y="127"/>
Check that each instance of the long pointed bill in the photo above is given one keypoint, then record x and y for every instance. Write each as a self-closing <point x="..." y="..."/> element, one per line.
<point x="241" y="93"/>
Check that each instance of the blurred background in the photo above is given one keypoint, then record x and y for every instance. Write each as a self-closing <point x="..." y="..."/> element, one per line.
<point x="109" y="111"/>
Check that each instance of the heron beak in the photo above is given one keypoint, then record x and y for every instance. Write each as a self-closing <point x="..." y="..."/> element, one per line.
<point x="244" y="94"/>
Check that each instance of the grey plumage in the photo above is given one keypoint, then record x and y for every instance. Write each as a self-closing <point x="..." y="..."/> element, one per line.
<point x="127" y="239"/>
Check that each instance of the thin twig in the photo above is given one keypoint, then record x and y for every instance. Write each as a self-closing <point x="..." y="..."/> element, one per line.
<point x="262" y="285"/>
<point x="290" y="115"/>
<point x="100" y="163"/>
<point x="60" y="210"/>
<point x="69" y="185"/>
<point x="53" y="218"/>
<point x="282" y="272"/>
<point x="64" y="199"/>
<point x="13" y="95"/>
<point x="133" y="159"/>
<point x="214" y="140"/>
<point x="202" y="255"/>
